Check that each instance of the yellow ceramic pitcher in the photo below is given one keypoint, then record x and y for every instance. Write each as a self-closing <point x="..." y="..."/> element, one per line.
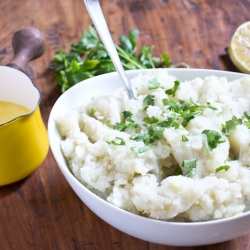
<point x="23" y="139"/>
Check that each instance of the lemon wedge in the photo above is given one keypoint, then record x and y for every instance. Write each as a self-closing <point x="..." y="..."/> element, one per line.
<point x="239" y="48"/>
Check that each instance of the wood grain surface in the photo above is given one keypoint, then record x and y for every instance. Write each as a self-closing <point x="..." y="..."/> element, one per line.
<point x="42" y="212"/>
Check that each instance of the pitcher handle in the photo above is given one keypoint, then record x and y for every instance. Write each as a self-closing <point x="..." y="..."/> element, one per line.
<point x="28" y="44"/>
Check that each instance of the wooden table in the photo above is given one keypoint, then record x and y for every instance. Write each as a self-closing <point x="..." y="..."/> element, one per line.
<point x="42" y="211"/>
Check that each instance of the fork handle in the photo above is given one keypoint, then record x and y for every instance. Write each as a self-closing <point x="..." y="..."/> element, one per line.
<point x="95" y="12"/>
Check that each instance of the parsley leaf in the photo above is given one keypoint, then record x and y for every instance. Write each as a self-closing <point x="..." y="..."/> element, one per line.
<point x="231" y="124"/>
<point x="151" y="120"/>
<point x="128" y="122"/>
<point x="127" y="114"/>
<point x="92" y="111"/>
<point x="191" y="165"/>
<point x="166" y="60"/>
<point x="213" y="139"/>
<point x="173" y="90"/>
<point x="117" y="141"/>
<point x="151" y="135"/>
<point x="141" y="151"/>
<point x="226" y="167"/>
<point x="184" y="138"/>
<point x="149" y="100"/>
<point x="178" y="172"/>
<point x="185" y="111"/>
<point x="154" y="84"/>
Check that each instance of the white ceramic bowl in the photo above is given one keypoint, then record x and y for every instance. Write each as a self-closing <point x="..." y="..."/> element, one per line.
<point x="162" y="232"/>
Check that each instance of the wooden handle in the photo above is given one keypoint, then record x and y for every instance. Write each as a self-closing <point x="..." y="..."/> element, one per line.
<point x="28" y="44"/>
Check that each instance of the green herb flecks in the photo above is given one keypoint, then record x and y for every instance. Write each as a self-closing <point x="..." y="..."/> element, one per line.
<point x="173" y="90"/>
<point x="190" y="164"/>
<point x="127" y="122"/>
<point x="88" y="57"/>
<point x="127" y="114"/>
<point x="148" y="100"/>
<point x="172" y="120"/>
<point x="185" y="112"/>
<point x="141" y="151"/>
<point x="92" y="111"/>
<point x="117" y="141"/>
<point x="150" y="136"/>
<point x="178" y="172"/>
<point x="107" y="121"/>
<point x="154" y="84"/>
<point x="213" y="139"/>
<point x="181" y="114"/>
<point x="230" y="125"/>
<point x="184" y="138"/>
<point x="225" y="168"/>
<point x="151" y="120"/>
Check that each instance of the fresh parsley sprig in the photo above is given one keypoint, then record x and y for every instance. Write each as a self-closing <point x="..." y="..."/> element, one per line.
<point x="88" y="57"/>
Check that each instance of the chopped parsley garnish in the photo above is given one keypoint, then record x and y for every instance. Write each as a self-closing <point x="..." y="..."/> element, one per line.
<point x="151" y="120"/>
<point x="128" y="122"/>
<point x="191" y="165"/>
<point x="226" y="167"/>
<point x="121" y="126"/>
<point x="173" y="89"/>
<point x="178" y="172"/>
<point x="213" y="139"/>
<point x="154" y="84"/>
<point x="173" y="120"/>
<point x="150" y="136"/>
<point x="231" y="124"/>
<point x="246" y="119"/>
<point x="149" y="100"/>
<point x="117" y="141"/>
<point x="181" y="114"/>
<point x="141" y="151"/>
<point x="92" y="111"/>
<point x="127" y="114"/>
<point x="107" y="122"/>
<point x="138" y="137"/>
<point x="186" y="111"/>
<point x="184" y="138"/>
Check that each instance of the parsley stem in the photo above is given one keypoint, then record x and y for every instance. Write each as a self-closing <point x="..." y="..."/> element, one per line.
<point x="151" y="62"/>
<point x="125" y="56"/>
<point x="76" y="50"/>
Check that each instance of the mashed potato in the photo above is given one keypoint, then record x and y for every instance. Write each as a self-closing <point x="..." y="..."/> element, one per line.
<point x="179" y="151"/>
